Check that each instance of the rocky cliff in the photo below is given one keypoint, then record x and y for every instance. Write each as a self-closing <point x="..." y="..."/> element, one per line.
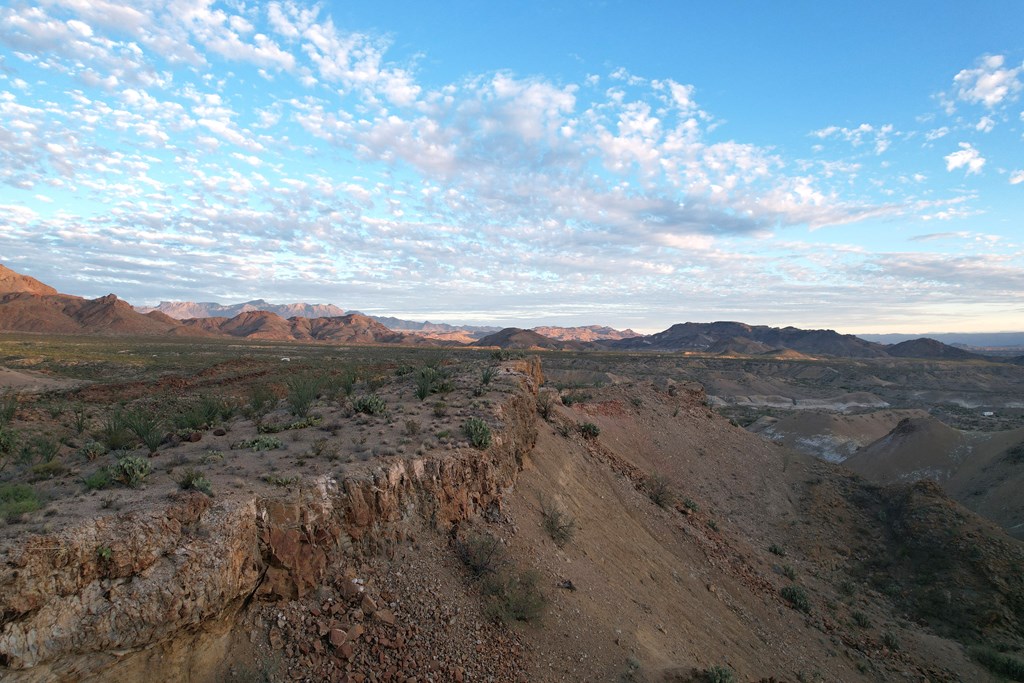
<point x="155" y="592"/>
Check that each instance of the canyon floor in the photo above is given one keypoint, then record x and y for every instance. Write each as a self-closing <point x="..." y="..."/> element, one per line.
<point x="309" y="512"/>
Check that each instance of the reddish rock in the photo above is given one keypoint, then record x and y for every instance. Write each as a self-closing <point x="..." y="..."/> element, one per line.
<point x="384" y="615"/>
<point x="338" y="637"/>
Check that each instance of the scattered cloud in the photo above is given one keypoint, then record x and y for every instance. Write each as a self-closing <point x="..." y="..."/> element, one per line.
<point x="989" y="83"/>
<point x="967" y="157"/>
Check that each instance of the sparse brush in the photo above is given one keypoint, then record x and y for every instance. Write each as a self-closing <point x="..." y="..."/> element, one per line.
<point x="44" y="448"/>
<point x="114" y="432"/>
<point x="589" y="430"/>
<point x="559" y="525"/>
<point x="8" y="445"/>
<point x="440" y="409"/>
<point x="486" y="375"/>
<point x="100" y="479"/>
<point x="412" y="427"/>
<point x="776" y="549"/>
<point x="8" y="407"/>
<point x="260" y="443"/>
<point x="261" y="401"/>
<point x="194" y="480"/>
<point x="131" y="471"/>
<point x="796" y="596"/>
<point x="514" y="597"/>
<point x="718" y="674"/>
<point x="346" y="381"/>
<point x="789" y="572"/>
<point x="79" y="420"/>
<point x="92" y="450"/>
<point x="998" y="662"/>
<point x="546" y="403"/>
<point x="57" y="408"/>
<point x="860" y="619"/>
<point x="478" y="433"/>
<point x="483" y="554"/>
<point x="658" y="490"/>
<point x="425" y="379"/>
<point x="148" y="427"/>
<point x="303" y="390"/>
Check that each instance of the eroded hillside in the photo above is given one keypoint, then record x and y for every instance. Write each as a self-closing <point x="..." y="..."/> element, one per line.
<point x="623" y="532"/>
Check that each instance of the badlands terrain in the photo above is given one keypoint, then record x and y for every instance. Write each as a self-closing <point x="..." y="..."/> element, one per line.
<point x="324" y="498"/>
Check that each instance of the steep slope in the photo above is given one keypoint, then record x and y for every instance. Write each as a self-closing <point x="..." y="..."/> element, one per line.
<point x="62" y="314"/>
<point x="11" y="281"/>
<point x="916" y="448"/>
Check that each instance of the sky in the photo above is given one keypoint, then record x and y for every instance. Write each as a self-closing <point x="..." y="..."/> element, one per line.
<point x="857" y="166"/>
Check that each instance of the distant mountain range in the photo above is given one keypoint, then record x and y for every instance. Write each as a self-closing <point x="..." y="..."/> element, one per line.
<point x="183" y="310"/>
<point x="27" y="305"/>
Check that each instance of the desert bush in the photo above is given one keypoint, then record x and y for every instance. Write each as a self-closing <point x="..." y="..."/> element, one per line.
<point x="789" y="572"/>
<point x="440" y="409"/>
<point x="205" y="412"/>
<point x="890" y="640"/>
<point x="658" y="490"/>
<point x="100" y="479"/>
<point x="412" y="427"/>
<point x="370" y="404"/>
<point x="997" y="662"/>
<point x="718" y="674"/>
<point x="796" y="596"/>
<point x="148" y="427"/>
<point x="478" y="433"/>
<point x="691" y="505"/>
<point x="487" y="374"/>
<point x="194" y="480"/>
<point x="860" y="619"/>
<point x="425" y="382"/>
<point x="546" y="403"/>
<point x="8" y="445"/>
<point x="92" y="450"/>
<point x="776" y="549"/>
<point x="482" y="553"/>
<point x="261" y="402"/>
<point x="345" y="381"/>
<point x="303" y="390"/>
<point x="8" y="407"/>
<point x="589" y="430"/>
<point x="44" y="448"/>
<point x="260" y="443"/>
<point x="17" y="499"/>
<point x="131" y="470"/>
<point x="79" y="420"/>
<point x="114" y="432"/>
<point x="513" y="597"/>
<point x="47" y="470"/>
<point x="559" y="525"/>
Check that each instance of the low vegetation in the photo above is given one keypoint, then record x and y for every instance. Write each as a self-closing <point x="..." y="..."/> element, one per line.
<point x="130" y="471"/>
<point x="478" y="433"/>
<point x="796" y="596"/>
<point x="559" y="525"/>
<point x="17" y="500"/>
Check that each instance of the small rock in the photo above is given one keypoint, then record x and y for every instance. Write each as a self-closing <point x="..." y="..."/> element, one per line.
<point x="219" y="432"/>
<point x="385" y="615"/>
<point x="338" y="637"/>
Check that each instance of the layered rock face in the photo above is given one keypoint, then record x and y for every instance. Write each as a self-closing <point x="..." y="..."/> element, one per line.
<point x="154" y="592"/>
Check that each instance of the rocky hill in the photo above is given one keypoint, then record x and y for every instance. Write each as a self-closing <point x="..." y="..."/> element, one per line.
<point x="525" y="340"/>
<point x="11" y="281"/>
<point x="588" y="333"/>
<point x="929" y="348"/>
<point x="702" y="337"/>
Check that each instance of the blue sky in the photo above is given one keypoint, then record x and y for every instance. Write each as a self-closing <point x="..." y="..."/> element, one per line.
<point x="857" y="166"/>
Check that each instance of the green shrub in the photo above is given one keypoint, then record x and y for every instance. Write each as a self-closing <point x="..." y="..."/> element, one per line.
<point x="998" y="662"/>
<point x="17" y="499"/>
<point x="260" y="443"/>
<point x="513" y="597"/>
<point x="487" y="374"/>
<point x="194" y="480"/>
<point x="589" y="430"/>
<point x="890" y="640"/>
<point x="80" y="419"/>
<point x="478" y="433"/>
<point x="8" y="407"/>
<point x="775" y="549"/>
<point x="796" y="596"/>
<point x="559" y="525"/>
<point x="691" y="505"/>
<point x="303" y="390"/>
<point x="92" y="450"/>
<point x="8" y="445"/>
<point x="261" y="401"/>
<point x="114" y="432"/>
<point x="718" y="674"/>
<point x="148" y="427"/>
<point x="100" y="479"/>
<point x="47" y="470"/>
<point x="440" y="409"/>
<point x="345" y="381"/>
<point x="425" y="382"/>
<point x="860" y="619"/>
<point x="789" y="572"/>
<point x="370" y="404"/>
<point x="131" y="470"/>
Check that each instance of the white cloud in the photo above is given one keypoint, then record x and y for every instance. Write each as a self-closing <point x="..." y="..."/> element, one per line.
<point x="967" y="157"/>
<point x="878" y="135"/>
<point x="985" y="124"/>
<point x="1017" y="177"/>
<point x="989" y="83"/>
